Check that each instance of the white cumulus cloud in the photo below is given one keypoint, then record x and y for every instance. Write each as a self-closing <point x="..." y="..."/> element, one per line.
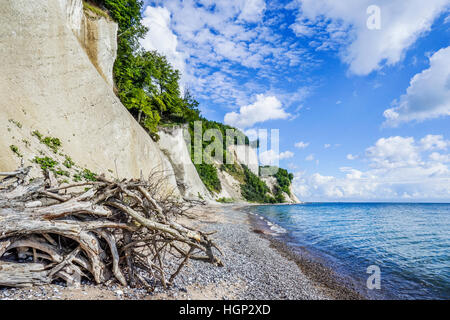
<point x="428" y="95"/>
<point x="302" y="145"/>
<point x="394" y="152"/>
<point x="400" y="168"/>
<point x="364" y="49"/>
<point x="302" y="30"/>
<point x="160" y="36"/>
<point x="264" y="109"/>
<point x="252" y="10"/>
<point x="286" y="155"/>
<point x="434" y="142"/>
<point x="272" y="158"/>
<point x="438" y="157"/>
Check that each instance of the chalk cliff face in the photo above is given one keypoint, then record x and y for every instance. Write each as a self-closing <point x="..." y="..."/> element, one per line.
<point x="173" y="142"/>
<point x="231" y="188"/>
<point x="271" y="182"/>
<point x="49" y="83"/>
<point x="241" y="155"/>
<point x="73" y="10"/>
<point x="293" y="198"/>
<point x="97" y="35"/>
<point x="56" y="77"/>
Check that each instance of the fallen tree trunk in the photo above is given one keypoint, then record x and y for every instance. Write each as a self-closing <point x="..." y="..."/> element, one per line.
<point x="23" y="274"/>
<point x="121" y="229"/>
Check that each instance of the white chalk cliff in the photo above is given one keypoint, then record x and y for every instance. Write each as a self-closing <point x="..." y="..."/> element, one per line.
<point x="271" y="183"/>
<point x="173" y="142"/>
<point x="56" y="76"/>
<point x="51" y="82"/>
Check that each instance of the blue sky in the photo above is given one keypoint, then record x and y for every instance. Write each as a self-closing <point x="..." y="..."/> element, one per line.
<point x="363" y="113"/>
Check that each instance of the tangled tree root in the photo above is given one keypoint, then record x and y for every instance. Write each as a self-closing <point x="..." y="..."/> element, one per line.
<point x="115" y="229"/>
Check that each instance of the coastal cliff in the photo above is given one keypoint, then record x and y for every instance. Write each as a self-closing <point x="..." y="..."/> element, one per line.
<point x="49" y="84"/>
<point x="57" y="82"/>
<point x="172" y="142"/>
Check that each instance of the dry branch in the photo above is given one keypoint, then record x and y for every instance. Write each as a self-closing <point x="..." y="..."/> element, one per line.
<point x="122" y="229"/>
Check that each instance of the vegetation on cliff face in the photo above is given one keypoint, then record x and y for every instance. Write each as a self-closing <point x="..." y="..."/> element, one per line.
<point x="94" y="9"/>
<point x="53" y="143"/>
<point x="234" y="170"/>
<point x="145" y="81"/>
<point x="15" y="149"/>
<point x="209" y="176"/>
<point x="149" y="87"/>
<point x="208" y="171"/>
<point x="254" y="189"/>
<point x="284" y="179"/>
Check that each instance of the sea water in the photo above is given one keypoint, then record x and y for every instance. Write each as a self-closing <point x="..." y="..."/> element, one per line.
<point x="409" y="243"/>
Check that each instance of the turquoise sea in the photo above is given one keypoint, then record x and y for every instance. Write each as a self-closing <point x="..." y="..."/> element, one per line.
<point x="410" y="243"/>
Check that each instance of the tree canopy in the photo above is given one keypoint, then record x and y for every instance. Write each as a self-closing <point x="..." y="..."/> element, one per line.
<point x="146" y="83"/>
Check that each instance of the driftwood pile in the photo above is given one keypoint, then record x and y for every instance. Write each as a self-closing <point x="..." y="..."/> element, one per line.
<point x="111" y="230"/>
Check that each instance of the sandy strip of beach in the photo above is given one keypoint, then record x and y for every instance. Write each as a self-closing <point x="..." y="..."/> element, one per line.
<point x="256" y="266"/>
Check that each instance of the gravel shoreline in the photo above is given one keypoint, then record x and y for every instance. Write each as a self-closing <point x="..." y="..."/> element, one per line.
<point x="256" y="267"/>
<point x="333" y="284"/>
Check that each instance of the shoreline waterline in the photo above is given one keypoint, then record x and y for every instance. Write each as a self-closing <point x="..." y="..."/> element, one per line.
<point x="406" y="241"/>
<point x="312" y="265"/>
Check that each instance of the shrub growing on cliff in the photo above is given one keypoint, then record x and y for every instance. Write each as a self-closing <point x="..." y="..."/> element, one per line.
<point x="254" y="189"/>
<point x="284" y="179"/>
<point x="53" y="143"/>
<point x="145" y="81"/>
<point x="46" y="163"/>
<point x="15" y="149"/>
<point x="208" y="174"/>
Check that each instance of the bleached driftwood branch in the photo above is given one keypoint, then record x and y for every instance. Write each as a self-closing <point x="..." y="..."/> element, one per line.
<point x="121" y="229"/>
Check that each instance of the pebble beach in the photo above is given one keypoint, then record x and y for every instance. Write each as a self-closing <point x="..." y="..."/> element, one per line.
<point x="256" y="266"/>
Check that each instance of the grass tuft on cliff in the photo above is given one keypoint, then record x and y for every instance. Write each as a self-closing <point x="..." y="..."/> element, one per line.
<point x="94" y="9"/>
